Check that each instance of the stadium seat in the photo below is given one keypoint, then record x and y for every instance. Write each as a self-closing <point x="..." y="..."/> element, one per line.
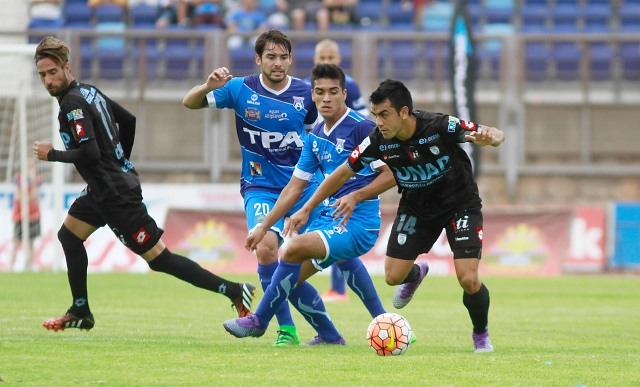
<point x="371" y="15"/>
<point x="77" y="15"/>
<point x="630" y="61"/>
<point x="437" y="17"/>
<point x="143" y="16"/>
<point x="600" y="61"/>
<point x="177" y="57"/>
<point x="109" y="13"/>
<point x="152" y="59"/>
<point x="242" y="61"/>
<point x="567" y="57"/>
<point x="437" y="59"/>
<point x="596" y="17"/>
<point x="110" y="51"/>
<point x="537" y="55"/>
<point x="629" y="17"/>
<point x="533" y="18"/>
<point x="489" y="52"/>
<point x="564" y="18"/>
<point x="400" y="17"/>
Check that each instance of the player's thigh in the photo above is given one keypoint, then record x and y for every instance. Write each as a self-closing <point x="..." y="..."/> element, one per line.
<point x="465" y="234"/>
<point x="84" y="216"/>
<point x="342" y="243"/>
<point x="303" y="247"/>
<point x="131" y="223"/>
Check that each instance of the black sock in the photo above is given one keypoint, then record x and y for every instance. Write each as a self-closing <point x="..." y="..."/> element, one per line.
<point x="413" y="275"/>
<point x="77" y="262"/>
<point x="478" y="306"/>
<point x="189" y="271"/>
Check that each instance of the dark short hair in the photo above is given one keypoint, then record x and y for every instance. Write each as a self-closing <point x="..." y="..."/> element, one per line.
<point x="395" y="91"/>
<point x="274" y="36"/>
<point x="54" y="49"/>
<point x="329" y="71"/>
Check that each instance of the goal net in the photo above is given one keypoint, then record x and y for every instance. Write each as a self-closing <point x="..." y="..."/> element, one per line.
<point x="31" y="191"/>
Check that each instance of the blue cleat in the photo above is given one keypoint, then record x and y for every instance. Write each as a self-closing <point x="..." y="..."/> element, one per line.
<point x="244" y="327"/>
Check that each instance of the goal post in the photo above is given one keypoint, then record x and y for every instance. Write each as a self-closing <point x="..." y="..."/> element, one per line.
<point x="32" y="190"/>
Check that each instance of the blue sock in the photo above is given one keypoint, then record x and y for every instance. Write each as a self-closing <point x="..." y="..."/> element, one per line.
<point x="360" y="282"/>
<point x="307" y="301"/>
<point x="275" y="295"/>
<point x="337" y="280"/>
<point x="283" y="314"/>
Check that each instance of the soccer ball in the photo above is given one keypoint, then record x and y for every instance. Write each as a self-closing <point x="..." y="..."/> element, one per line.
<point x="389" y="334"/>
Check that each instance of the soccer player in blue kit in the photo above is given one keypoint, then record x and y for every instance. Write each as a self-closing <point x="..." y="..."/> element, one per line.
<point x="327" y="51"/>
<point x="339" y="235"/>
<point x="273" y="112"/>
<point x="438" y="192"/>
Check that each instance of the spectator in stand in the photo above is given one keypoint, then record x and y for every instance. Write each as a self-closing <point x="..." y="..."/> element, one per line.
<point x="172" y="13"/>
<point x="277" y="12"/>
<point x="94" y="3"/>
<point x="45" y="14"/>
<point x="208" y="13"/>
<point x="248" y="18"/>
<point x="336" y="13"/>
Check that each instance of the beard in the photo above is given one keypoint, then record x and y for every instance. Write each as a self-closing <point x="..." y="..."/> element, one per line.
<point x="57" y="91"/>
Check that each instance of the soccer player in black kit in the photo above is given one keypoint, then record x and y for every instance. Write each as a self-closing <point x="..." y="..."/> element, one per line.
<point x="98" y="136"/>
<point x="435" y="178"/>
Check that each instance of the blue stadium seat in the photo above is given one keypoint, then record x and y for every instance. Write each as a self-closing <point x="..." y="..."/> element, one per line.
<point x="177" y="57"/>
<point x="437" y="17"/>
<point x="77" y="15"/>
<point x="110" y="51"/>
<point x="564" y="18"/>
<point x="371" y="15"/>
<point x="629" y="17"/>
<point x="596" y="17"/>
<point x="143" y="16"/>
<point x="567" y="57"/>
<point x="152" y="58"/>
<point x="601" y="61"/>
<point x="400" y="18"/>
<point x="630" y="61"/>
<point x="537" y="56"/>
<point x="533" y="18"/>
<point x="109" y="13"/>
<point x="242" y="61"/>
<point x="437" y="59"/>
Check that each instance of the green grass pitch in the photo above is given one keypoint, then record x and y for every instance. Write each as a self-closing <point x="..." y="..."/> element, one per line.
<point x="155" y="330"/>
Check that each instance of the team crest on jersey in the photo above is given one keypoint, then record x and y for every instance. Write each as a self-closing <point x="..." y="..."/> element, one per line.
<point x="141" y="236"/>
<point x="340" y="145"/>
<point x="298" y="103"/>
<point x="402" y="239"/>
<point x="75" y="115"/>
<point x="413" y="153"/>
<point x="256" y="168"/>
<point x="79" y="128"/>
<point x="435" y="150"/>
<point x="252" y="114"/>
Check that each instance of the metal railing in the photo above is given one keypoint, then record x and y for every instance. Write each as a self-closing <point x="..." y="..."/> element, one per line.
<point x="562" y="120"/>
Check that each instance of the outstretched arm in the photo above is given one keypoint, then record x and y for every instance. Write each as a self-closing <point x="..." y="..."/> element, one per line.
<point x="486" y="135"/>
<point x="196" y="97"/>
<point x="330" y="185"/>
<point x="345" y="205"/>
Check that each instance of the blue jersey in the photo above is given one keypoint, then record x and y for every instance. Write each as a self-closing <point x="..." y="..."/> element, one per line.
<point x="325" y="151"/>
<point x="270" y="126"/>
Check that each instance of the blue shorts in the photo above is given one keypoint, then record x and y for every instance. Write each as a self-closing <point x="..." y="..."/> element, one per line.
<point x="344" y="243"/>
<point x="257" y="204"/>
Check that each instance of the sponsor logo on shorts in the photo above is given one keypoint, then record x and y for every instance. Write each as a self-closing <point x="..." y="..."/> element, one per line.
<point x="141" y="236"/>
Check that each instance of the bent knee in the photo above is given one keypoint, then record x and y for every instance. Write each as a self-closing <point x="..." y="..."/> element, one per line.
<point x="470" y="283"/>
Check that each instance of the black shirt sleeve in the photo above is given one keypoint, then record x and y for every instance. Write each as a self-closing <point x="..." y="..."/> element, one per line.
<point x="126" y="126"/>
<point x="87" y="153"/>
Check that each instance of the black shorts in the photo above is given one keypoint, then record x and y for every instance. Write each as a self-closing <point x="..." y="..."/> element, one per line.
<point x="412" y="234"/>
<point x="125" y="214"/>
<point x="34" y="229"/>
